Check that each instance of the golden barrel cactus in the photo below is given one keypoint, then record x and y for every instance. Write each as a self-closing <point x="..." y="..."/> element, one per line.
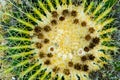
<point x="59" y="40"/>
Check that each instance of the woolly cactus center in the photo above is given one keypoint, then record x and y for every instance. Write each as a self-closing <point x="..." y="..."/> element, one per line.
<point x="68" y="36"/>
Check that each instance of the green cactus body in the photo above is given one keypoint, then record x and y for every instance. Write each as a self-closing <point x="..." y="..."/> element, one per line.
<point x="57" y="39"/>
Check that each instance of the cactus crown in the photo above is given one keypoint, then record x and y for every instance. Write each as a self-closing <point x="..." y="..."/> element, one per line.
<point x="57" y="39"/>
